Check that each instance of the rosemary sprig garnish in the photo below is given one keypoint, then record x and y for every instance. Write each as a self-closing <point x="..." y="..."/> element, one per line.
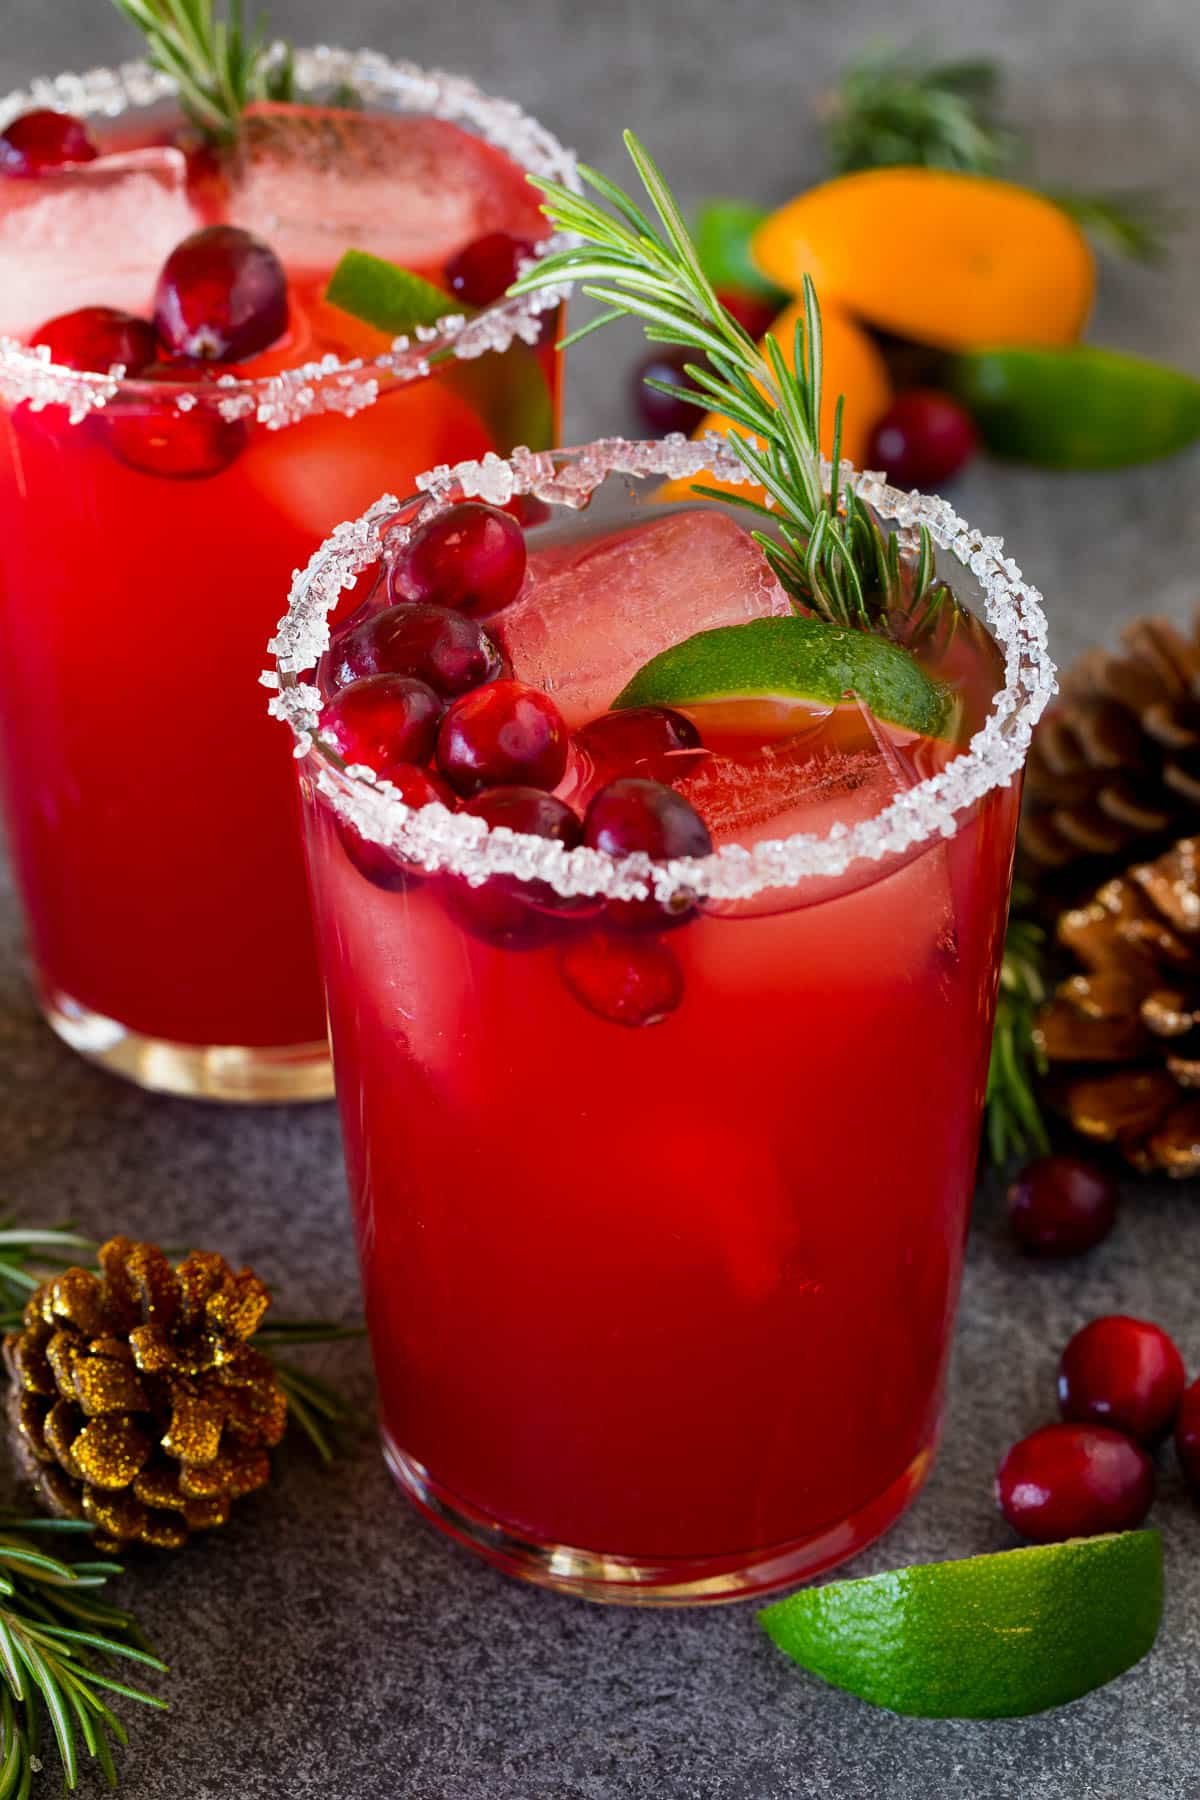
<point x="1015" y="1125"/>
<point x="895" y="107"/>
<point x="827" y="550"/>
<point x="218" y="65"/>
<point x="58" y="1643"/>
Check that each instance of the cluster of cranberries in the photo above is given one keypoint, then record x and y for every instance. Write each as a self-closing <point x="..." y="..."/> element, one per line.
<point x="221" y="299"/>
<point x="1121" y="1389"/>
<point x="419" y="693"/>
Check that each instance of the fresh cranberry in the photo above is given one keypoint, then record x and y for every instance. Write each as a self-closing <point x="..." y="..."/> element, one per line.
<point x="755" y="316"/>
<point x="222" y="296"/>
<point x="470" y="557"/>
<point x="923" y="438"/>
<point x="383" y="719"/>
<point x="666" y="412"/>
<point x="505" y="909"/>
<point x="652" y="741"/>
<point x="43" y="140"/>
<point x="445" y="649"/>
<point x="632" y="816"/>
<point x="1187" y="1437"/>
<point x="1061" y="1205"/>
<point x="1122" y="1372"/>
<point x="156" y="438"/>
<point x="503" y="734"/>
<point x="381" y="866"/>
<point x="1069" y="1481"/>
<point x="626" y="980"/>
<point x="488" y="267"/>
<point x="98" y="338"/>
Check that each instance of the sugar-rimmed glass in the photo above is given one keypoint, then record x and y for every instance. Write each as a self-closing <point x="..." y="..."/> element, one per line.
<point x="167" y="908"/>
<point x="663" y="1314"/>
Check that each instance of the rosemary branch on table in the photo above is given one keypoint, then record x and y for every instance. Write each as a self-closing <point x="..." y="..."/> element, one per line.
<point x="1013" y="1118"/>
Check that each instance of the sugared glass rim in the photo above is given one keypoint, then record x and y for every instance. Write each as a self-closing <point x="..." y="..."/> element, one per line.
<point x="330" y="384"/>
<point x="437" y="839"/>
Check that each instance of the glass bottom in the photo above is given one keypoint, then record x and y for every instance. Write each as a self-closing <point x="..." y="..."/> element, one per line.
<point x="237" y="1074"/>
<point x="630" y="1581"/>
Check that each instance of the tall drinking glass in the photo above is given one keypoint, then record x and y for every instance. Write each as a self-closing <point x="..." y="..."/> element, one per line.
<point x="146" y="525"/>
<point x="661" y="1170"/>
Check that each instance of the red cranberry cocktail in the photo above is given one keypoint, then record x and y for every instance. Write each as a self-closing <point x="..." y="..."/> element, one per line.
<point x="660" y="1013"/>
<point x="183" y="415"/>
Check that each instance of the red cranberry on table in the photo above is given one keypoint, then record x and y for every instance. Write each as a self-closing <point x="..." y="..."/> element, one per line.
<point x="452" y="653"/>
<point x="470" y="557"/>
<point x="383" y="719"/>
<point x="381" y="866"/>
<point x="1069" y="1481"/>
<point x="156" y="438"/>
<point x="655" y="742"/>
<point x="623" y="979"/>
<point x="1122" y="1372"/>
<point x="487" y="268"/>
<point x="1187" y="1437"/>
<point x="38" y="142"/>
<point x="632" y="816"/>
<point x="666" y="412"/>
<point x="503" y="734"/>
<point x="505" y="910"/>
<point x="221" y="297"/>
<point x="923" y="438"/>
<point x="97" y="338"/>
<point x="1062" y="1205"/>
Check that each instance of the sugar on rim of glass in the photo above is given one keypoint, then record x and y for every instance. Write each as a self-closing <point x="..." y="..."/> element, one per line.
<point x="329" y="384"/>
<point x="436" y="839"/>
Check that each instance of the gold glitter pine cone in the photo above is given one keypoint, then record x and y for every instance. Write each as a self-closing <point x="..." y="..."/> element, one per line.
<point x="138" y="1402"/>
<point x="1114" y="769"/>
<point x="1122" y="1038"/>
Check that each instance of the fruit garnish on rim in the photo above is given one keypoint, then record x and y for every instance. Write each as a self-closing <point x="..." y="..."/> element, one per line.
<point x="991" y="1637"/>
<point x="863" y="598"/>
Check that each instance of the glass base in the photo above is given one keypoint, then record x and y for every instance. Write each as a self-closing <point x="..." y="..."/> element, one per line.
<point x="629" y="1581"/>
<point x="239" y="1074"/>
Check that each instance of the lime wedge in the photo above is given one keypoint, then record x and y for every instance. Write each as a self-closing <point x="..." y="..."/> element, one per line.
<point x="792" y="659"/>
<point x="992" y="1637"/>
<point x="386" y="296"/>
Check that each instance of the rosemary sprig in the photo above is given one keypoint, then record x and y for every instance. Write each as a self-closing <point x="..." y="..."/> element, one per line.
<point x="1015" y="1125"/>
<point x="58" y="1643"/>
<point x="218" y="65"/>
<point x="899" y="107"/>
<point x="827" y="550"/>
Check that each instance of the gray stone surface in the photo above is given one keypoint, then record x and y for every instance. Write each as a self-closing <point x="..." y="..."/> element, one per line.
<point x="329" y="1645"/>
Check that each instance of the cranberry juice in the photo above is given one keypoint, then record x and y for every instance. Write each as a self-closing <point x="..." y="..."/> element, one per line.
<point x="143" y="547"/>
<point x="661" y="1217"/>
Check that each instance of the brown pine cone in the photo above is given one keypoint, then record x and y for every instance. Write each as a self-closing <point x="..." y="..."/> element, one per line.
<point x="1123" y="1038"/>
<point x="1114" y="769"/>
<point x="137" y="1401"/>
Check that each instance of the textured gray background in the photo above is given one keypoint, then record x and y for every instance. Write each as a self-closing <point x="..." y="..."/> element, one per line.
<point x="328" y="1647"/>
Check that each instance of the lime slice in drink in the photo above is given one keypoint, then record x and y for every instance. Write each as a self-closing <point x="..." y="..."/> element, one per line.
<point x="992" y="1637"/>
<point x="792" y="659"/>
<point x="386" y="296"/>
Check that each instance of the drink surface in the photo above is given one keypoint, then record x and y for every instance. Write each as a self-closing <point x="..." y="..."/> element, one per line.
<point x="662" y="1222"/>
<point x="144" y="549"/>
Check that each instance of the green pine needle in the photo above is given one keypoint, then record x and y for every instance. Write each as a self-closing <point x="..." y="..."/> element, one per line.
<point x="1014" y="1122"/>
<point x="829" y="553"/>
<point x="1135" y="223"/>
<point x="218" y="65"/>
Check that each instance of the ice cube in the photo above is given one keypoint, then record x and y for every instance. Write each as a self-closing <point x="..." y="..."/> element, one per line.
<point x="316" y="181"/>
<point x="593" y="612"/>
<point x="92" y="236"/>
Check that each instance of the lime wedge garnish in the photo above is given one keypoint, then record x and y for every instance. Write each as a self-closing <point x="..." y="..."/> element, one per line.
<point x="386" y="296"/>
<point x="792" y="659"/>
<point x="992" y="1637"/>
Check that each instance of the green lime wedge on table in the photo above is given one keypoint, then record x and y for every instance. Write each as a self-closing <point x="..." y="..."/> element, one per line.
<point x="386" y="296"/>
<point x="992" y="1637"/>
<point x="1078" y="408"/>
<point x="792" y="659"/>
